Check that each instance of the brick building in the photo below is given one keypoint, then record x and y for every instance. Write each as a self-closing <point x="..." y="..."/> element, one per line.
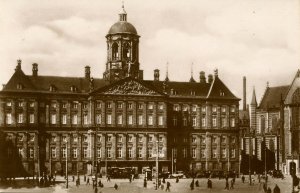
<point x="121" y="119"/>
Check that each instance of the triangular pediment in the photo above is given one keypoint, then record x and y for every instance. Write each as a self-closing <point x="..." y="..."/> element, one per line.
<point x="129" y="86"/>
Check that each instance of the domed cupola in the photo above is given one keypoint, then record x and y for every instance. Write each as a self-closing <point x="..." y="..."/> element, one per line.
<point x="122" y="50"/>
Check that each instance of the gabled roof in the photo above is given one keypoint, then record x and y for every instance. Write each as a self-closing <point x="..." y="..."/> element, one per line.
<point x="272" y="97"/>
<point x="129" y="86"/>
<point x="19" y="78"/>
<point x="219" y="90"/>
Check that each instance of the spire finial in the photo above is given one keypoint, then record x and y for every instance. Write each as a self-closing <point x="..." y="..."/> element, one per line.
<point x="253" y="101"/>
<point x="123" y="14"/>
<point x="192" y="73"/>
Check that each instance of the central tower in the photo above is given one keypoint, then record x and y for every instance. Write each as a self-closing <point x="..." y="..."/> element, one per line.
<point x="122" y="50"/>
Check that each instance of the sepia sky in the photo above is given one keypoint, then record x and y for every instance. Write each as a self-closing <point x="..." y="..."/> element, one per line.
<point x="259" y="39"/>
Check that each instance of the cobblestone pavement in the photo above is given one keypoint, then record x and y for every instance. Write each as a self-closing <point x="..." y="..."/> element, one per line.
<point x="137" y="186"/>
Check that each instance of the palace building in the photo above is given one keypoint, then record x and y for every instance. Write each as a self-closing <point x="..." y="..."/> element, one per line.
<point x="119" y="120"/>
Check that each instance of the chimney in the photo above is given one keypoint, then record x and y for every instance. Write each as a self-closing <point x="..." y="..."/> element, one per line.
<point x="216" y="72"/>
<point x="156" y="75"/>
<point x="87" y="72"/>
<point x="18" y="67"/>
<point x="34" y="69"/>
<point x="202" y="77"/>
<point x="244" y="94"/>
<point x="210" y="78"/>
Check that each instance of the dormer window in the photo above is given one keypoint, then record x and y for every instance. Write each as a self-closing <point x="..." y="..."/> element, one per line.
<point x="52" y="88"/>
<point x="222" y="93"/>
<point x="193" y="93"/>
<point x="20" y="86"/>
<point x="8" y="103"/>
<point x="73" y="88"/>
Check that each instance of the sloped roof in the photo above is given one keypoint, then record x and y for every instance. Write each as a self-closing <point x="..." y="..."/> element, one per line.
<point x="272" y="97"/>
<point x="219" y="90"/>
<point x="42" y="83"/>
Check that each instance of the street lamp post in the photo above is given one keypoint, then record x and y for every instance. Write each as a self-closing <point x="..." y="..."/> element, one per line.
<point x="67" y="180"/>
<point x="266" y="176"/>
<point x="157" y="154"/>
<point x="250" y="147"/>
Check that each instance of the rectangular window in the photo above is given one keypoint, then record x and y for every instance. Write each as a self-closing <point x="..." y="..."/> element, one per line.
<point x="203" y="139"/>
<point x="108" y="152"/>
<point x="175" y="121"/>
<point x="64" y="105"/>
<point x="99" y="138"/>
<point x="194" y="108"/>
<point x="214" y="109"/>
<point x="223" y="139"/>
<point x="140" y="152"/>
<point x="75" y="138"/>
<point x="98" y="104"/>
<point x="223" y="122"/>
<point x="214" y="153"/>
<point x="120" y="105"/>
<point x="214" y="139"/>
<point x="85" y="119"/>
<point x="214" y="121"/>
<point x="233" y="153"/>
<point x="194" y="121"/>
<point x="31" y="104"/>
<point x="150" y="152"/>
<point x="31" y="152"/>
<point x="223" y="153"/>
<point x="140" y="139"/>
<point x="130" y="138"/>
<point x="140" y="119"/>
<point x="129" y="105"/>
<point x="140" y="106"/>
<point x="160" y="152"/>
<point x="109" y="138"/>
<point x="8" y="118"/>
<point x="31" y="118"/>
<point x="223" y="109"/>
<point x="85" y="138"/>
<point x="150" y="120"/>
<point x="8" y="103"/>
<point x="120" y="119"/>
<point x="74" y="119"/>
<point x="75" y="105"/>
<point x="150" y="138"/>
<point x="120" y="139"/>
<point x="194" y="139"/>
<point x="175" y="152"/>
<point x="185" y="108"/>
<point x="130" y="152"/>
<point x="119" y="152"/>
<point x="53" y="119"/>
<point x="232" y="122"/>
<point x="53" y="152"/>
<point x="233" y="140"/>
<point x="85" y="105"/>
<point x="20" y="104"/>
<point x="98" y="119"/>
<point x="64" y="119"/>
<point x="99" y="152"/>
<point x="184" y="152"/>
<point x="203" y="109"/>
<point x="64" y="138"/>
<point x="160" y="106"/>
<point x="108" y="105"/>
<point x="129" y="119"/>
<point x="150" y="106"/>
<point x="202" y="153"/>
<point x="160" y="138"/>
<point x="232" y="109"/>
<point x="176" y="107"/>
<point x="108" y="121"/>
<point x="20" y="118"/>
<point x="193" y="152"/>
<point x="184" y="121"/>
<point x="85" y="152"/>
<point x="64" y="152"/>
<point x="74" y="152"/>
<point x="160" y="120"/>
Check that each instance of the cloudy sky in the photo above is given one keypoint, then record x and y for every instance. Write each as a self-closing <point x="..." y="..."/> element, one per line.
<point x="259" y="39"/>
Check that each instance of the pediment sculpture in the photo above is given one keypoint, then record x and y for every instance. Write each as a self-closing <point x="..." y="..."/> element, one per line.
<point x="130" y="88"/>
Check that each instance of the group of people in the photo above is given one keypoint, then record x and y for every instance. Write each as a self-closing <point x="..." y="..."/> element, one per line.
<point x="232" y="182"/>
<point x="193" y="184"/>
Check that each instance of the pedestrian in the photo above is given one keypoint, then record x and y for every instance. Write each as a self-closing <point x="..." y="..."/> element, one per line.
<point x="269" y="190"/>
<point x="164" y="180"/>
<point x="116" y="186"/>
<point x="259" y="178"/>
<point x="243" y="179"/>
<point x="265" y="187"/>
<point x="145" y="183"/>
<point x="177" y="179"/>
<point x="73" y="178"/>
<point x="192" y="185"/>
<point x="197" y="183"/>
<point x="108" y="178"/>
<point x="168" y="187"/>
<point x="77" y="183"/>
<point x="276" y="189"/>
<point x="209" y="184"/>
<point x="231" y="184"/>
<point x="88" y="181"/>
<point x="162" y="187"/>
<point x="227" y="185"/>
<point x="84" y="178"/>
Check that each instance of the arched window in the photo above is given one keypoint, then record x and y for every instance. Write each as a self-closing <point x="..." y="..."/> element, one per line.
<point x="274" y="124"/>
<point x="126" y="51"/>
<point x="115" y="52"/>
